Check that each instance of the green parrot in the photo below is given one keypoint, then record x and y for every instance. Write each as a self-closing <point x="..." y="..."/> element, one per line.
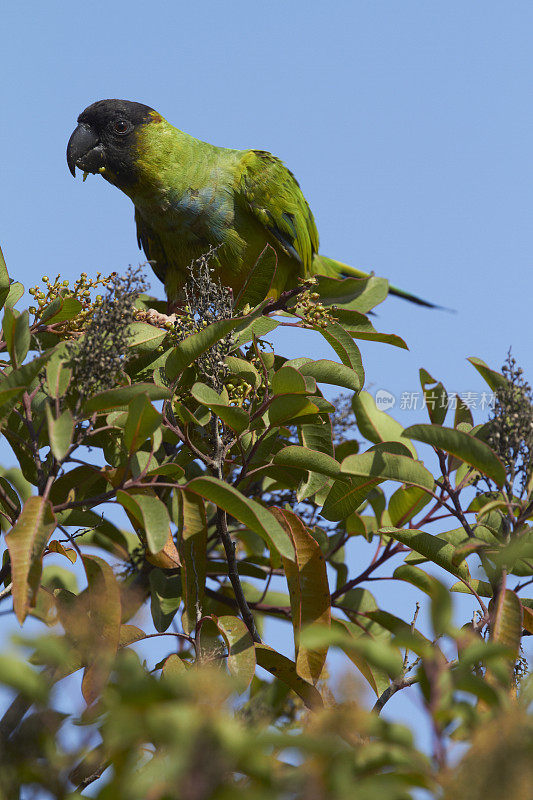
<point x="190" y="196"/>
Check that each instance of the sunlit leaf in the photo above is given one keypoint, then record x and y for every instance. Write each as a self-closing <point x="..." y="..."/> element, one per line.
<point x="494" y="379"/>
<point x="388" y="466"/>
<point x="144" y="336"/>
<point x="376" y="425"/>
<point x="506" y="624"/>
<point x="463" y="445"/>
<point x="406" y="503"/>
<point x="304" y="458"/>
<point x="26" y="542"/>
<point x="187" y="351"/>
<point x="345" y="347"/>
<point x="247" y="511"/>
<point x="141" y="422"/>
<point x="117" y="398"/>
<point x="260" y="278"/>
<point x="308" y="590"/>
<point x="435" y="396"/>
<point x="192" y="544"/>
<point x="436" y="550"/>
<point x="4" y="280"/>
<point x="360" y="294"/>
<point x="241" y="653"/>
<point x="60" y="432"/>
<point x="16" y="333"/>
<point x="235" y="417"/>
<point x="150" y="513"/>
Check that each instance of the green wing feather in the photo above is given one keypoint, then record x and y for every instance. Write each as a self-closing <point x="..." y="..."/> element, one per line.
<point x="273" y="196"/>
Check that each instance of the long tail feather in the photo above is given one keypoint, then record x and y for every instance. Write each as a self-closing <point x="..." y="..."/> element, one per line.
<point x="322" y="265"/>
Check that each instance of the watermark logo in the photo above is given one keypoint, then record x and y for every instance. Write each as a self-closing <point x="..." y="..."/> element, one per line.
<point x="431" y="399"/>
<point x="384" y="399"/>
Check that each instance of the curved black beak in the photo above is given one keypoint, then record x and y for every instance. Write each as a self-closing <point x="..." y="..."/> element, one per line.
<point x="84" y="150"/>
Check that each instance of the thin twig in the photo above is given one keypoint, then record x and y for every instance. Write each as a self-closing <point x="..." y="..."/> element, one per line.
<point x="233" y="573"/>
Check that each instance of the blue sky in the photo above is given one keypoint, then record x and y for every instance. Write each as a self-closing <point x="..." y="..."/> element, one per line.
<point x="408" y="124"/>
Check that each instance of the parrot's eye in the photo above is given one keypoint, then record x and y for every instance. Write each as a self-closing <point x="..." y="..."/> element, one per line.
<point x="121" y="126"/>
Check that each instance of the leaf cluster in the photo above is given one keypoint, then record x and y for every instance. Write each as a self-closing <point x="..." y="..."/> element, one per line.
<point x="227" y="506"/>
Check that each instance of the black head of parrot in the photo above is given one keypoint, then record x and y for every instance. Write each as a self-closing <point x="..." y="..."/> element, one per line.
<point x="104" y="139"/>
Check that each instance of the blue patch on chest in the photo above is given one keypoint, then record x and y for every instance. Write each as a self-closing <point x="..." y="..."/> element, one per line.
<point x="201" y="213"/>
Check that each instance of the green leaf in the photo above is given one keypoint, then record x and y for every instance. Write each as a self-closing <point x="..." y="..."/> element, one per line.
<point x="304" y="458"/>
<point x="416" y="577"/>
<point x="466" y="447"/>
<point x="258" y="326"/>
<point x="9" y="395"/>
<point x="237" y="418"/>
<point x="61" y="309"/>
<point x="259" y="280"/>
<point x="432" y="547"/>
<point x="345" y="347"/>
<point x="317" y="437"/>
<point x="165" y="598"/>
<point x="144" y="336"/>
<point x="9" y="502"/>
<point x="483" y="588"/>
<point x="16" y="334"/>
<point x="60" y="432"/>
<point x="309" y="592"/>
<point x="58" y="373"/>
<point x="406" y="503"/>
<point x="462" y="415"/>
<point x="174" y="666"/>
<point x="287" y="409"/>
<point x="241" y="653"/>
<point x="150" y="513"/>
<point x="26" y="542"/>
<point x="247" y="511"/>
<point x="506" y="623"/>
<point x="193" y="346"/>
<point x="494" y="379"/>
<point x="142" y="421"/>
<point x="343" y="499"/>
<point x="4" y="280"/>
<point x="245" y="370"/>
<point x="284" y="669"/>
<point x="375" y="425"/>
<point x="16" y="290"/>
<point x="121" y="396"/>
<point x="388" y="466"/>
<point x="360" y="327"/>
<point x="325" y="371"/>
<point x="436" y="397"/>
<point x="192" y="547"/>
<point x="360" y="294"/>
<point x="288" y="380"/>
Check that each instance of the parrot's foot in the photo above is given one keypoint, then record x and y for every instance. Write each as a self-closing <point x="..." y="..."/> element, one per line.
<point x="156" y="318"/>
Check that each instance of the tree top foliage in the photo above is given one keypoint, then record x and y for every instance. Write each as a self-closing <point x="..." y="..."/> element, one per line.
<point x="181" y="485"/>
